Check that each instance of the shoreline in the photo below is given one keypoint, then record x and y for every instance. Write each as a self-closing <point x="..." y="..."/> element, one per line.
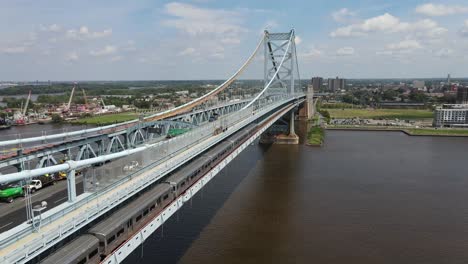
<point x="402" y="130"/>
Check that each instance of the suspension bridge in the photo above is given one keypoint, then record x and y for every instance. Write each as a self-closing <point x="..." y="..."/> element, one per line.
<point x="117" y="165"/>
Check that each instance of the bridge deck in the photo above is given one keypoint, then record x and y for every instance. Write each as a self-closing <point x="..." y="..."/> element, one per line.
<point x="50" y="229"/>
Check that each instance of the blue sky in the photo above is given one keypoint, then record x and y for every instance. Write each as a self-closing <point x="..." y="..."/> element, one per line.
<point x="207" y="39"/>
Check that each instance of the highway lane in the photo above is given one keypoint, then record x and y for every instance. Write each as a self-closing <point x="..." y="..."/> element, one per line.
<point x="14" y="214"/>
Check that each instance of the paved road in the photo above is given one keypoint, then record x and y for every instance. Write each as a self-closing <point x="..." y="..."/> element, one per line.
<point x="14" y="214"/>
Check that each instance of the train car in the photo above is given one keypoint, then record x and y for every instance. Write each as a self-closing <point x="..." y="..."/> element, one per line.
<point x="182" y="179"/>
<point x="83" y="249"/>
<point x="241" y="135"/>
<point x="117" y="228"/>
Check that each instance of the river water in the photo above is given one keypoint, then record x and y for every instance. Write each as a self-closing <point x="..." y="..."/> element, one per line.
<point x="365" y="197"/>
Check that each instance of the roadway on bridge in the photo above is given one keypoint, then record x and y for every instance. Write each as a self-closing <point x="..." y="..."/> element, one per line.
<point x="14" y="213"/>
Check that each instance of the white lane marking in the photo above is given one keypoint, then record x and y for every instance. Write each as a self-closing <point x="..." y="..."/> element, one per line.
<point x="61" y="199"/>
<point x="6" y="225"/>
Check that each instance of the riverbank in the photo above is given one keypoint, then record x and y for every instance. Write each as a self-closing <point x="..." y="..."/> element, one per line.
<point x="402" y="114"/>
<point x="434" y="132"/>
<point x="106" y="119"/>
<point x="315" y="136"/>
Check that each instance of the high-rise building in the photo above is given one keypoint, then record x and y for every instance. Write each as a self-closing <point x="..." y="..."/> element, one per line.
<point x="462" y="95"/>
<point x="336" y="84"/>
<point x="317" y="83"/>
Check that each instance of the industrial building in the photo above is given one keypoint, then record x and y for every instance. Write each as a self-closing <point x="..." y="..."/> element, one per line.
<point x="451" y="115"/>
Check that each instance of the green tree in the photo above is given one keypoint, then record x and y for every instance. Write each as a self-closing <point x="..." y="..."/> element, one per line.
<point x="56" y="118"/>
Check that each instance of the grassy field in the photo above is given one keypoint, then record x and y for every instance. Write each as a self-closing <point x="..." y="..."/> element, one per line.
<point x="316" y="136"/>
<point x="410" y="131"/>
<point x="402" y="114"/>
<point x="438" y="132"/>
<point x="106" y="119"/>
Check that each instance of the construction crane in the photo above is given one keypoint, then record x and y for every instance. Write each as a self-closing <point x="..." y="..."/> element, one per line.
<point x="71" y="97"/>
<point x="103" y="104"/>
<point x="85" y="99"/>
<point x="27" y="103"/>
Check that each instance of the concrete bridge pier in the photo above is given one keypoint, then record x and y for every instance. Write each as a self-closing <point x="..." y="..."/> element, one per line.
<point x="282" y="132"/>
<point x="291" y="138"/>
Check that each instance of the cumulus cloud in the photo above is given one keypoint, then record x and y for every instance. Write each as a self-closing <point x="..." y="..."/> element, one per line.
<point x="387" y="23"/>
<point x="208" y="29"/>
<point x="50" y="28"/>
<point x="343" y="15"/>
<point x="345" y="51"/>
<point x="430" y="9"/>
<point x="311" y="53"/>
<point x="84" y="33"/>
<point x="195" y="20"/>
<point x="408" y="44"/>
<point x="298" y="40"/>
<point x="14" y="50"/>
<point x="107" y="50"/>
<point x="116" y="58"/>
<point x="72" y="56"/>
<point x="187" y="51"/>
<point x="443" y="53"/>
<point x="464" y="29"/>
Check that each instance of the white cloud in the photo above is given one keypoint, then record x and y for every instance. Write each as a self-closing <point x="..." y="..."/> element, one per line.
<point x="129" y="46"/>
<point x="387" y="23"/>
<point x="50" y="28"/>
<point x="298" y="40"/>
<point x="441" y="9"/>
<point x="195" y="20"/>
<point x="345" y="51"/>
<point x="312" y="53"/>
<point x="407" y="45"/>
<point x="443" y="53"/>
<point x="187" y="51"/>
<point x="343" y="15"/>
<point x="209" y="30"/>
<point x="116" y="58"/>
<point x="107" y="50"/>
<point x="72" y="56"/>
<point x="464" y="29"/>
<point x="84" y="33"/>
<point x="14" y="50"/>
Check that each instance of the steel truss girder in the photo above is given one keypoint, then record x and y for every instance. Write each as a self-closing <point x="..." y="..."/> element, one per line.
<point x="127" y="138"/>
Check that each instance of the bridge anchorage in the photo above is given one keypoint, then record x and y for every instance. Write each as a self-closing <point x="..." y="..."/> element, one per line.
<point x="165" y="158"/>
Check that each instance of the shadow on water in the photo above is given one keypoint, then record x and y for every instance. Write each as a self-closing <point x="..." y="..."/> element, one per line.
<point x="169" y="243"/>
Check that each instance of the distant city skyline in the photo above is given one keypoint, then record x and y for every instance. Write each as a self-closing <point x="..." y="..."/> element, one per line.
<point x="202" y="39"/>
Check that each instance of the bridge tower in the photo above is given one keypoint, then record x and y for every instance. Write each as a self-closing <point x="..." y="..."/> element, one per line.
<point x="280" y="63"/>
<point x="281" y="76"/>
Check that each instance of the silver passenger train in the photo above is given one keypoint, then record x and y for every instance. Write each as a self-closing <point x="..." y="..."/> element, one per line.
<point x="106" y="236"/>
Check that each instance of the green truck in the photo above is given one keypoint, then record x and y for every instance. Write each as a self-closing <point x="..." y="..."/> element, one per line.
<point x="8" y="192"/>
<point x="173" y="132"/>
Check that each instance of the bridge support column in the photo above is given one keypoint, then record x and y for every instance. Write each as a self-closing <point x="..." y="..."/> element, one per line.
<point x="71" y="186"/>
<point x="280" y="135"/>
<point x="307" y="109"/>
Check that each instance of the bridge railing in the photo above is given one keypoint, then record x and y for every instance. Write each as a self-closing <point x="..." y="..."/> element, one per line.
<point x="98" y="202"/>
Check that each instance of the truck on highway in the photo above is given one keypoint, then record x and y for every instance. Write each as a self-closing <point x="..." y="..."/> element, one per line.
<point x="8" y="192"/>
<point x="46" y="180"/>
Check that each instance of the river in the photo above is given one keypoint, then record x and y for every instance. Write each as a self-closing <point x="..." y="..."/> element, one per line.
<point x="365" y="197"/>
<point x="37" y="130"/>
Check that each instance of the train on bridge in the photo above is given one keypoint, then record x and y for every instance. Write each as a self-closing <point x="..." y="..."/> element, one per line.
<point x="109" y="234"/>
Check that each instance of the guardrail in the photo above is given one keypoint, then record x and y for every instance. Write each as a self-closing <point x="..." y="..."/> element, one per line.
<point x="100" y="206"/>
